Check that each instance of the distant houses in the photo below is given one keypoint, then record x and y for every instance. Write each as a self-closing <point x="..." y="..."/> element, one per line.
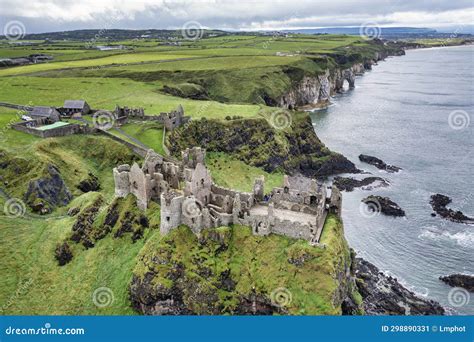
<point x="109" y="47"/>
<point x="47" y="121"/>
<point x="31" y="59"/>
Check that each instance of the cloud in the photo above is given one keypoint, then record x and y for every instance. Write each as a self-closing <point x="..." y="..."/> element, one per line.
<point x="51" y="15"/>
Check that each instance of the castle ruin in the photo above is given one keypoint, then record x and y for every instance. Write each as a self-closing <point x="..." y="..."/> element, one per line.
<point x="170" y="120"/>
<point x="187" y="195"/>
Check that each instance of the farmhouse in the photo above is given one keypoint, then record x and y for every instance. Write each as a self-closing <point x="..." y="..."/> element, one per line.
<point x="74" y="108"/>
<point x="41" y="112"/>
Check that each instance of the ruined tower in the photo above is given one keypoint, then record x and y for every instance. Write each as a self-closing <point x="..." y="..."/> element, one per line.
<point x="122" y="183"/>
<point x="259" y="189"/>
<point x="171" y="210"/>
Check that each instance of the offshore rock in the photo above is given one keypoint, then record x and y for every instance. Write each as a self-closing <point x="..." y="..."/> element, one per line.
<point x="349" y="184"/>
<point x="378" y="163"/>
<point x="465" y="281"/>
<point x="439" y="202"/>
<point x="384" y="205"/>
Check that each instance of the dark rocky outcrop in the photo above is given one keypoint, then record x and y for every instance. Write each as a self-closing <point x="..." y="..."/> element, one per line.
<point x="83" y="230"/>
<point x="89" y="184"/>
<point x="256" y="142"/>
<point x="47" y="192"/>
<point x="384" y="295"/>
<point x="384" y="205"/>
<point x="439" y="202"/>
<point x="465" y="281"/>
<point x="130" y="223"/>
<point x="63" y="254"/>
<point x="73" y="211"/>
<point x="349" y="184"/>
<point x="378" y="163"/>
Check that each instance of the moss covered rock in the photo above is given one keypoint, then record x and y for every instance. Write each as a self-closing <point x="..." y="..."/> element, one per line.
<point x="295" y="149"/>
<point x="47" y="191"/>
<point x="229" y="270"/>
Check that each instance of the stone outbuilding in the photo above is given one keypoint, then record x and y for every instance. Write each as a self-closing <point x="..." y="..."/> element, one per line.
<point x="41" y="112"/>
<point x="75" y="108"/>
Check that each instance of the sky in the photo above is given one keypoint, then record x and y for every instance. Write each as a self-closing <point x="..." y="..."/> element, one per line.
<point x="38" y="16"/>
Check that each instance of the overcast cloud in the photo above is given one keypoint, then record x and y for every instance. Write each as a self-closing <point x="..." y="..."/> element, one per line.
<point x="59" y="15"/>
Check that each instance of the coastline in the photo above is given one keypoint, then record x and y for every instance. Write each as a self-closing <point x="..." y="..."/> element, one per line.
<point x="409" y="284"/>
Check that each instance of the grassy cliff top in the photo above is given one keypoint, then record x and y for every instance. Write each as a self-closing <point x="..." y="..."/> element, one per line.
<point x="253" y="264"/>
<point x="32" y="281"/>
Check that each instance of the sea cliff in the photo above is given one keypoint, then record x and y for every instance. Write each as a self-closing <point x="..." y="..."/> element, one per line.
<point x="314" y="91"/>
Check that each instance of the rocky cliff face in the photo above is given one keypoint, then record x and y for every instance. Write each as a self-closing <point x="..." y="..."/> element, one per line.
<point x="229" y="270"/>
<point x="316" y="90"/>
<point x="384" y="295"/>
<point x="294" y="150"/>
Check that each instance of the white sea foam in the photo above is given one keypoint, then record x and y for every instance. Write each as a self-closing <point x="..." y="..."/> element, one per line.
<point x="462" y="238"/>
<point x="419" y="290"/>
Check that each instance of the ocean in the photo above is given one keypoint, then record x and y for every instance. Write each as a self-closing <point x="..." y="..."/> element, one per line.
<point x="416" y="112"/>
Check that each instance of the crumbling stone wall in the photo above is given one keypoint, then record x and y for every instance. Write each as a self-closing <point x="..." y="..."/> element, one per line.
<point x="202" y="204"/>
<point x="170" y="120"/>
<point x="191" y="157"/>
<point x="31" y="125"/>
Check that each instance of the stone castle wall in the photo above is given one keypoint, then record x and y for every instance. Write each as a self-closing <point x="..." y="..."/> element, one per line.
<point x="170" y="120"/>
<point x="30" y="128"/>
<point x="188" y="196"/>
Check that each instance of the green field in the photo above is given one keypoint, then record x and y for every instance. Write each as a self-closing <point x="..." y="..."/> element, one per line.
<point x="224" y="78"/>
<point x="105" y="93"/>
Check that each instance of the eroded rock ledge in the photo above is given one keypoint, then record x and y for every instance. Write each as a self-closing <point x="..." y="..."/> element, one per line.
<point x="384" y="295"/>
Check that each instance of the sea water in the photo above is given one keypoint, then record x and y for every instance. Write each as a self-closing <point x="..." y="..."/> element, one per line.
<point x="416" y="112"/>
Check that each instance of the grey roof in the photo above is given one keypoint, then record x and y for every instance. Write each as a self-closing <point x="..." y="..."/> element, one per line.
<point x="75" y="104"/>
<point x="43" y="111"/>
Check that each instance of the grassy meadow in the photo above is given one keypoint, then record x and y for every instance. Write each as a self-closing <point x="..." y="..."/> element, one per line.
<point x="233" y="69"/>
